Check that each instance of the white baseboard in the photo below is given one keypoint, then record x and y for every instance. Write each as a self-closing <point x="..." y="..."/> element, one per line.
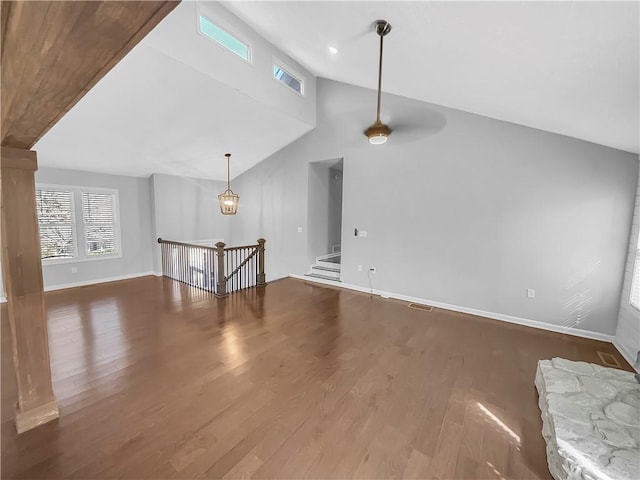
<point x="456" y="308"/>
<point x="628" y="356"/>
<point x="62" y="286"/>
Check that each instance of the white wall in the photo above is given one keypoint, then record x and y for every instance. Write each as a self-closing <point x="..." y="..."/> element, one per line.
<point x="460" y="209"/>
<point x="335" y="206"/>
<point x="186" y="209"/>
<point x="318" y="214"/>
<point x="135" y="228"/>
<point x="254" y="79"/>
<point x="627" y="337"/>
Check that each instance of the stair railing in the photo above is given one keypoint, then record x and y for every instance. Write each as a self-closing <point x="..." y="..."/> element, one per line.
<point x="218" y="269"/>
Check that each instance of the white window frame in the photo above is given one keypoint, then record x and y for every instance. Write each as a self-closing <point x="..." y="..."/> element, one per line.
<point x="78" y="225"/>
<point x="224" y="25"/>
<point x="291" y="71"/>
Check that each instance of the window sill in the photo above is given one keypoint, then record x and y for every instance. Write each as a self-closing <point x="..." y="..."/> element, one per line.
<point x="59" y="261"/>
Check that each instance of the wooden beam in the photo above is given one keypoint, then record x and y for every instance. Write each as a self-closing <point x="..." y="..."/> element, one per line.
<point x="22" y="272"/>
<point x="18" y="158"/>
<point x="54" y="52"/>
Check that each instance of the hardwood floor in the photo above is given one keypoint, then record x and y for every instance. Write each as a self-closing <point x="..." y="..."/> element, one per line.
<point x="158" y="380"/>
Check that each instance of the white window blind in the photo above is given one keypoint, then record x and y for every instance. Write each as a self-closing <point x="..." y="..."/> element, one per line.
<point x="634" y="298"/>
<point x="98" y="214"/>
<point x="77" y="223"/>
<point x="55" y="220"/>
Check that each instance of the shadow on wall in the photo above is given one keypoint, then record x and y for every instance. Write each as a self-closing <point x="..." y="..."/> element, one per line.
<point x="577" y="307"/>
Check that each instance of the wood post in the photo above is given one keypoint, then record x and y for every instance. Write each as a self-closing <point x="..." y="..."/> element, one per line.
<point x="22" y="274"/>
<point x="221" y="281"/>
<point x="260" y="276"/>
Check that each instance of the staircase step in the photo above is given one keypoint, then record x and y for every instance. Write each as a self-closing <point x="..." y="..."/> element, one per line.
<point x="325" y="272"/>
<point x="324" y="277"/>
<point x="331" y="258"/>
<point x="326" y="269"/>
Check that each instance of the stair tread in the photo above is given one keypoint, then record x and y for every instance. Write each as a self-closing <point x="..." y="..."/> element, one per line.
<point x="324" y="277"/>
<point x="326" y="269"/>
<point x="334" y="259"/>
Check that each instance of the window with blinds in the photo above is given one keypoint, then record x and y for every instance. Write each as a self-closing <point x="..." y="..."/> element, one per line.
<point x="634" y="299"/>
<point x="55" y="220"/>
<point x="99" y="223"/>
<point x="77" y="223"/>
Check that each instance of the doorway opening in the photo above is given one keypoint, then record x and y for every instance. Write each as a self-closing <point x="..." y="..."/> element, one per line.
<point x="324" y="219"/>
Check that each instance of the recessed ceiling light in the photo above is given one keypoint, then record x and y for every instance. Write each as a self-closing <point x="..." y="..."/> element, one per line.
<point x="333" y="50"/>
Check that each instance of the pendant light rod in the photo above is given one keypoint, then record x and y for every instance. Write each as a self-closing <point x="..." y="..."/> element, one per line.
<point x="379" y="80"/>
<point x="382" y="28"/>
<point x="379" y="132"/>
<point x="228" y="155"/>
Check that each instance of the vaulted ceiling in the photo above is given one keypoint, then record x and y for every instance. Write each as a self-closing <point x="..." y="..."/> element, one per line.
<point x="178" y="101"/>
<point x="565" y="67"/>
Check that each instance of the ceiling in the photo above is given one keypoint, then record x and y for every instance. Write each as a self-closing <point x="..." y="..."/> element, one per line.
<point x="177" y="102"/>
<point x="564" y="67"/>
<point x="164" y="109"/>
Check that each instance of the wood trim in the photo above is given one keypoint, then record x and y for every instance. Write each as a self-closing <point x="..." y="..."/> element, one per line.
<point x="4" y="16"/>
<point x="54" y="52"/>
<point x="171" y="242"/>
<point x="36" y="416"/>
<point x="22" y="274"/>
<point x="154" y="20"/>
<point x="18" y="158"/>
<point x="227" y="249"/>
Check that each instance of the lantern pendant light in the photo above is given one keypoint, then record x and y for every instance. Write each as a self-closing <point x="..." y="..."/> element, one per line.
<point x="228" y="200"/>
<point x="378" y="133"/>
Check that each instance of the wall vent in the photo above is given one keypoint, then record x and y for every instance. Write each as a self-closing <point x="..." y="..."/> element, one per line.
<point x="418" y="306"/>
<point x="609" y="360"/>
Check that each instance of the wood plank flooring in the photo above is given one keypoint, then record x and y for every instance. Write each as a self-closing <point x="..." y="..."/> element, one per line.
<point x="158" y="380"/>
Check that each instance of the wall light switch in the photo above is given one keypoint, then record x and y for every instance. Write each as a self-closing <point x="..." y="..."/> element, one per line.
<point x="74" y="269"/>
<point x="359" y="268"/>
<point x="299" y="229"/>
<point x="362" y="233"/>
<point x="531" y="293"/>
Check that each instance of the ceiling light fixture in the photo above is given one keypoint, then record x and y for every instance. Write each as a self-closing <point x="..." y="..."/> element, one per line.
<point x="333" y="50"/>
<point x="378" y="133"/>
<point x="228" y="200"/>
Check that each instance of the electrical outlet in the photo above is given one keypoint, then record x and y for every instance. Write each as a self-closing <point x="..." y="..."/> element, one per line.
<point x="359" y="268"/>
<point x="373" y="269"/>
<point x="74" y="269"/>
<point x="299" y="229"/>
<point x="531" y="293"/>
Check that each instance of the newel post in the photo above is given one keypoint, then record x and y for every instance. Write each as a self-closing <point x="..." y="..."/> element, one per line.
<point x="260" y="276"/>
<point x="221" y="281"/>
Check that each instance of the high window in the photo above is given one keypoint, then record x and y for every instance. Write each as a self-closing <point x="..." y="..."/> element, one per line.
<point x="224" y="38"/>
<point x="77" y="223"/>
<point x="288" y="79"/>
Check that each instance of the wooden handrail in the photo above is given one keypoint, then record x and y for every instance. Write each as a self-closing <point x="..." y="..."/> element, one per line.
<point x="181" y="261"/>
<point x="172" y="242"/>
<point x="228" y="249"/>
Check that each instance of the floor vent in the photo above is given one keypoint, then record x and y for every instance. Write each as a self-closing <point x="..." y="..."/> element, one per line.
<point x="608" y="360"/>
<point x="418" y="306"/>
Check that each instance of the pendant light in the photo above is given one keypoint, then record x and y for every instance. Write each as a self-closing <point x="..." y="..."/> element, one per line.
<point x="228" y="200"/>
<point x="378" y="133"/>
